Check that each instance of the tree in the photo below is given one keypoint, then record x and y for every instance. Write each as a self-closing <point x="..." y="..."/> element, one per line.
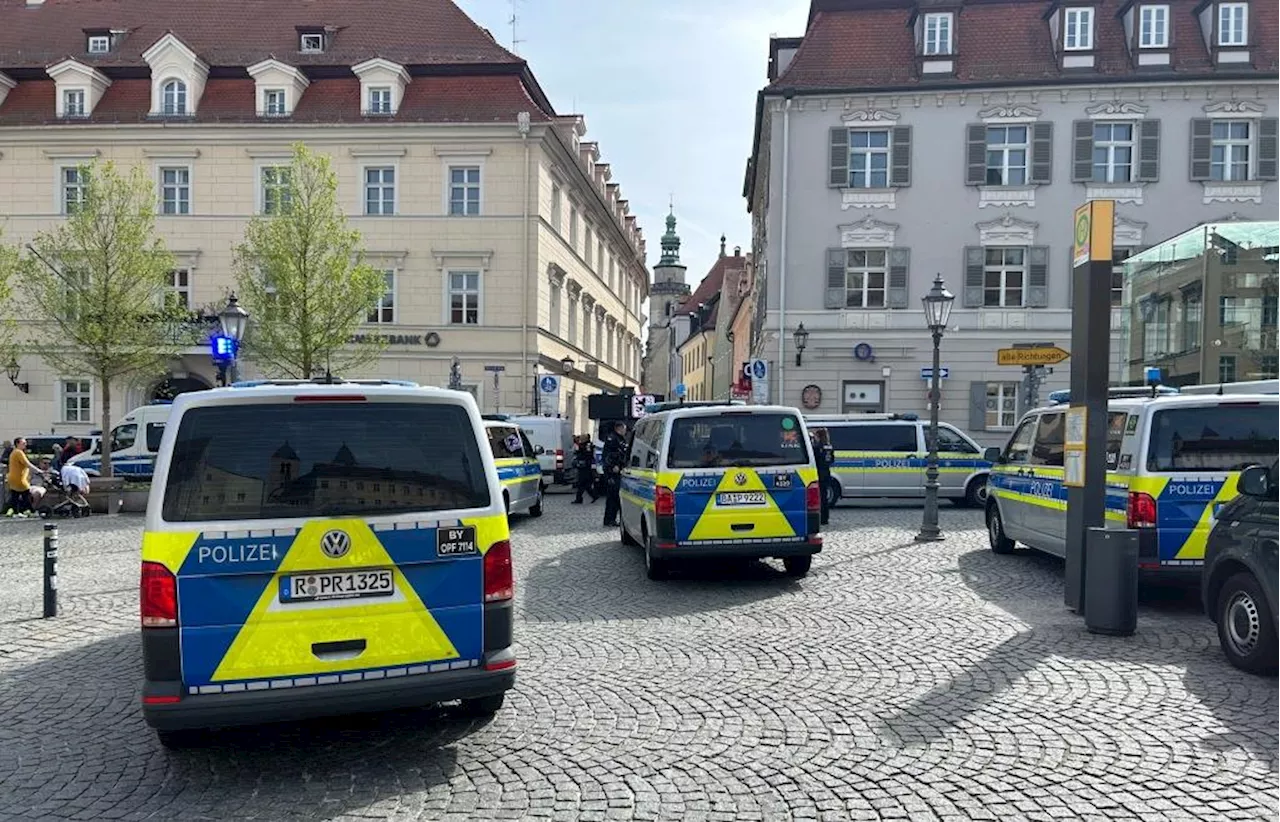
<point x="99" y="285"/>
<point x="301" y="273"/>
<point x="9" y="266"/>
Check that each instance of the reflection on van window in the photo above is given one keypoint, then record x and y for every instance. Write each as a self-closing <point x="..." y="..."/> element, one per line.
<point x="1048" y="447"/>
<point x="123" y="437"/>
<point x="737" y="439"/>
<point x="951" y="442"/>
<point x="266" y="461"/>
<point x="897" y="437"/>
<point x="1116" y="421"/>
<point x="1230" y="437"/>
<point x="506" y="443"/>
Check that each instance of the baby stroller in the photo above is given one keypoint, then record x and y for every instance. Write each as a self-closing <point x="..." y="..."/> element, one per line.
<point x="61" y="501"/>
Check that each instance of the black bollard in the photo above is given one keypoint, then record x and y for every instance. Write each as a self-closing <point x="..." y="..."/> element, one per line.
<point x="50" y="570"/>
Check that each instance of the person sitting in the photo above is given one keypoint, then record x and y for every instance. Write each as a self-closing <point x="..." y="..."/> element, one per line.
<point x="39" y="486"/>
<point x="75" y="483"/>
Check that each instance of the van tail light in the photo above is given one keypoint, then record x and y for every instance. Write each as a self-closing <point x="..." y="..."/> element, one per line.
<point x="158" y="594"/>
<point x="1141" y="510"/>
<point x="559" y="458"/>
<point x="813" y="497"/>
<point x="664" y="502"/>
<point x="499" y="584"/>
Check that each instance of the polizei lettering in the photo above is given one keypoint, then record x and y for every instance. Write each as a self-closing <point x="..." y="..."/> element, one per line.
<point x="1191" y="489"/>
<point x="247" y="552"/>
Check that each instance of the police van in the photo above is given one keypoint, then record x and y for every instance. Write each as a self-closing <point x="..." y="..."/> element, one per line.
<point x="134" y="443"/>
<point x="885" y="455"/>
<point x="518" y="468"/>
<point x="720" y="480"/>
<point x="1172" y="463"/>
<point x="319" y="549"/>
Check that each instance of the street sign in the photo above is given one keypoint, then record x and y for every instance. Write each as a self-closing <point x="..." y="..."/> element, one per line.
<point x="680" y="390"/>
<point x="496" y="369"/>
<point x="1049" y="355"/>
<point x="927" y="373"/>
<point x="759" y="370"/>
<point x="1093" y="232"/>
<point x="638" y="404"/>
<point x="548" y="384"/>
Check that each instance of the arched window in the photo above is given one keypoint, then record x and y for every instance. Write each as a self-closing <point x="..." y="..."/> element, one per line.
<point x="173" y="97"/>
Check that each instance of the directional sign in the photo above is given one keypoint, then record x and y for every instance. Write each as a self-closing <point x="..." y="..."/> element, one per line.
<point x="759" y="369"/>
<point x="927" y="373"/>
<point x="1049" y="355"/>
<point x="497" y="369"/>
<point x="681" y="390"/>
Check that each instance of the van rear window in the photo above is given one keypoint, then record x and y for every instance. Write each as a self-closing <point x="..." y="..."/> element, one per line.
<point x="737" y="439"/>
<point x="266" y="461"/>
<point x="1213" y="438"/>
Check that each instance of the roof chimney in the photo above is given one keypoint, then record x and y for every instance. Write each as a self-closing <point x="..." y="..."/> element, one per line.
<point x="35" y="2"/>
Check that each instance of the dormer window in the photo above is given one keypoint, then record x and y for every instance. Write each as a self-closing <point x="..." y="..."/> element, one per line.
<point x="1077" y="29"/>
<point x="379" y="100"/>
<point x="382" y="85"/>
<point x="173" y="98"/>
<point x="1153" y="27"/>
<point x="73" y="103"/>
<point x="311" y="42"/>
<point x="99" y="44"/>
<point x="274" y="103"/>
<point x="937" y="33"/>
<point x="1233" y="24"/>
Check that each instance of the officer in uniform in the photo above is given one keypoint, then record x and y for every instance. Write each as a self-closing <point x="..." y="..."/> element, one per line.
<point x="613" y="458"/>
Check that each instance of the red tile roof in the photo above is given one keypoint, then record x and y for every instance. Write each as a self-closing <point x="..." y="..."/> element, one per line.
<point x="709" y="291"/>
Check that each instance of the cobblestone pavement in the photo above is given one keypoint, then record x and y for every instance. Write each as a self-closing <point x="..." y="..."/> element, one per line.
<point x="896" y="681"/>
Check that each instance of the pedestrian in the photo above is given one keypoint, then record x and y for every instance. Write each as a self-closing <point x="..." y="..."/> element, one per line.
<point x="614" y="456"/>
<point x="584" y="458"/>
<point x="70" y="447"/>
<point x="39" y="482"/>
<point x="825" y="457"/>
<point x="19" y="479"/>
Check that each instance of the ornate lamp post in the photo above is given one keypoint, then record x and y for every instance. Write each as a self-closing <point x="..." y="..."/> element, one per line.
<point x="234" y="321"/>
<point x="937" y="310"/>
<point x="566" y="365"/>
<point x="12" y="370"/>
<point x="801" y="337"/>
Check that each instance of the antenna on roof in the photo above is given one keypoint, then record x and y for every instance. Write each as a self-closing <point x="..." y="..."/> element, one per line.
<point x="514" y="21"/>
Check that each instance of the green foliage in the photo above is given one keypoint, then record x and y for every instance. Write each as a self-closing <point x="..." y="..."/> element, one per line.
<point x="301" y="274"/>
<point x="9" y="262"/>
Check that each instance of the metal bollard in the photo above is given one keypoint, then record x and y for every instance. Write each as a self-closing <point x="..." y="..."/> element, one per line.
<point x="50" y="570"/>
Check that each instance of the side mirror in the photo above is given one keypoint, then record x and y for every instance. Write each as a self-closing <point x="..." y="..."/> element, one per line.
<point x="991" y="455"/>
<point x="538" y="450"/>
<point x="1254" y="481"/>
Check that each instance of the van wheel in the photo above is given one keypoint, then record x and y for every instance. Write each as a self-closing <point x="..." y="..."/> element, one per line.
<point x="797" y="566"/>
<point x="483" y="706"/>
<point x="975" y="493"/>
<point x="506" y="503"/>
<point x="536" y="509"/>
<point x="625" y="535"/>
<point x="655" y="567"/>
<point x="1245" y="629"/>
<point x="1000" y="543"/>
<point x="833" y="492"/>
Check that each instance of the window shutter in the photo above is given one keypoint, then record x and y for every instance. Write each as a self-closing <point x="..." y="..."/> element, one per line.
<point x="899" y="267"/>
<point x="977" y="406"/>
<point x="836" y="282"/>
<point x="901" y="175"/>
<point x="976" y="156"/>
<point x="1082" y="152"/>
<point x="839" y="158"/>
<point x="1042" y="153"/>
<point x="974" y="262"/>
<point x="1071" y="277"/>
<point x="1201" y="149"/>
<point x="1267" y="148"/>
<point x="1038" y="277"/>
<point x="1148" y="151"/>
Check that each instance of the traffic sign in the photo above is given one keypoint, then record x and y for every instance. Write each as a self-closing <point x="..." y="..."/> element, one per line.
<point x="759" y="369"/>
<point x="496" y="369"/>
<point x="1047" y="355"/>
<point x="548" y="384"/>
<point x="927" y="373"/>
<point x="680" y="390"/>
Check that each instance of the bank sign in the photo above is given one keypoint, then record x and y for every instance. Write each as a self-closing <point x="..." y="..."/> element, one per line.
<point x="431" y="339"/>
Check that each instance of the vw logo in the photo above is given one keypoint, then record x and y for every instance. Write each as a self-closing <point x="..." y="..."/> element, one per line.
<point x="740" y="478"/>
<point x="335" y="544"/>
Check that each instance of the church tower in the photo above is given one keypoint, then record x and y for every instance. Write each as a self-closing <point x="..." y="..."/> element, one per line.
<point x="668" y="291"/>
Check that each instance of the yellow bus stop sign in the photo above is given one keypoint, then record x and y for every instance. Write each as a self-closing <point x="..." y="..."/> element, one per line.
<point x="1094" y="230"/>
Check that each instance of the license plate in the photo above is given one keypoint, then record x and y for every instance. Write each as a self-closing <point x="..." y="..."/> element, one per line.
<point x="740" y="498"/>
<point x="456" y="541"/>
<point x="328" y="585"/>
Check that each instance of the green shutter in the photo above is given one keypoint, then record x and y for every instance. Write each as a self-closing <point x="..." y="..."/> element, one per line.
<point x="1201" y="149"/>
<point x="974" y="263"/>
<point x="1148" y="138"/>
<point x="899" y="268"/>
<point x="977" y="406"/>
<point x="838" y="158"/>
<point x="1038" y="277"/>
<point x="976" y="154"/>
<point x="1267" y="148"/>
<point x="1082" y="151"/>
<point x="900" y="174"/>
<point x="836" y="283"/>
<point x="1041" y="154"/>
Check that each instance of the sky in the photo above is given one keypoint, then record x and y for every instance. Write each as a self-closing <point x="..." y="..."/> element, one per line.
<point x="668" y="89"/>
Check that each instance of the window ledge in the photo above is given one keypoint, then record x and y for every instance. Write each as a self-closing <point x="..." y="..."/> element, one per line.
<point x="1120" y="192"/>
<point x="994" y="196"/>
<point x="1244" y="191"/>
<point x="868" y="198"/>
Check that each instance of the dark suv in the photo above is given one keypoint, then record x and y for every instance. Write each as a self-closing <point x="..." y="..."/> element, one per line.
<point x="1239" y="582"/>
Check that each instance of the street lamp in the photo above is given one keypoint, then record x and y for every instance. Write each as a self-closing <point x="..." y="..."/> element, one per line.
<point x="12" y="370"/>
<point x="234" y="321"/>
<point x="937" y="310"/>
<point x="801" y="338"/>
<point x="566" y="364"/>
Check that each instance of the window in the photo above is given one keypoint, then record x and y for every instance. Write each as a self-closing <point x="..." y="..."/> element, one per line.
<point x="180" y="286"/>
<point x="573" y="228"/>
<point x="384" y="311"/>
<point x="99" y="44"/>
<point x="1226" y="437"/>
<point x="1007" y="155"/>
<point x="1153" y="27"/>
<point x="1002" y="406"/>
<point x="379" y="100"/>
<point x="273" y="102"/>
<point x="1226" y="369"/>
<point x="275" y="189"/>
<point x="600" y="259"/>
<point x="951" y="441"/>
<point x="464" y="190"/>
<point x="553" y="310"/>
<point x="555" y="208"/>
<point x="1003" y="277"/>
<point x="310" y="43"/>
<point x="573" y="321"/>
<point x="124" y="436"/>
<point x="1049" y="443"/>
<point x="586" y="328"/>
<point x="77" y="401"/>
<point x="1193" y="313"/>
<point x="380" y="190"/>
<point x="865" y="275"/>
<point x="1230" y="149"/>
<point x="869" y="158"/>
<point x="175" y="190"/>
<point x="1077" y="32"/>
<point x="1118" y="256"/>
<point x="737" y="440"/>
<point x="73" y="103"/>
<point x="586" y="248"/>
<point x="75" y="188"/>
<point x="464" y="297"/>
<point x="1229" y="311"/>
<point x="1112" y="152"/>
<point x="896" y="437"/>
<point x="1233" y="24"/>
<point x="173" y="98"/>
<point x="937" y="34"/>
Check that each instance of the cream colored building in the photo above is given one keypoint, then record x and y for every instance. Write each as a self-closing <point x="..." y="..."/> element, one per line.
<point x="505" y="240"/>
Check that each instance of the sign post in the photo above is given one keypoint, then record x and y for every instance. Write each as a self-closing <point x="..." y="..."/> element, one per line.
<point x="1085" y="461"/>
<point x="496" y="370"/>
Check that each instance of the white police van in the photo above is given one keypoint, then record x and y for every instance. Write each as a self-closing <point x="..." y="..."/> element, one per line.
<point x="134" y="443"/>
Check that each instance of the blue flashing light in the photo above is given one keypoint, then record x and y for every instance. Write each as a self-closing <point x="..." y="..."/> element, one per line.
<point x="222" y="348"/>
<point x="161" y="402"/>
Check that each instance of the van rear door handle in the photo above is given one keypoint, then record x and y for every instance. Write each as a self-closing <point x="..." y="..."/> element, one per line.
<point x="344" y="649"/>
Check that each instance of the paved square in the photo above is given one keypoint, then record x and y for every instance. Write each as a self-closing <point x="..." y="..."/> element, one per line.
<point x="896" y="681"/>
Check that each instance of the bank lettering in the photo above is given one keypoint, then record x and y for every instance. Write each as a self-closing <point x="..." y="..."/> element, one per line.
<point x="387" y="339"/>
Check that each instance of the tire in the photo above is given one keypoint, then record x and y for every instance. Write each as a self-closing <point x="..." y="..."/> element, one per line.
<point x="626" y="537"/>
<point x="655" y="567"/>
<point x="833" y="492"/>
<point x="797" y="566"/>
<point x="1245" y="627"/>
<point x="536" y="509"/>
<point x="1000" y="543"/>
<point x="483" y="706"/>
<point x="506" y="503"/>
<point x="975" y="493"/>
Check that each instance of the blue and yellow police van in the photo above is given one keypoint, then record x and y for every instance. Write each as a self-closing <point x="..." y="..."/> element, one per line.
<point x="721" y="480"/>
<point x="1172" y="464"/>
<point x="319" y="549"/>
<point x="518" y="468"/>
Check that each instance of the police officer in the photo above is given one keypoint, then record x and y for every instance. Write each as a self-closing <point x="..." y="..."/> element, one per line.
<point x="824" y="456"/>
<point x="584" y="458"/>
<point x="613" y="458"/>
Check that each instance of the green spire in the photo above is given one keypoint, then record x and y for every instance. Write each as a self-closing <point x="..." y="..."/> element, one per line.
<point x="670" y="242"/>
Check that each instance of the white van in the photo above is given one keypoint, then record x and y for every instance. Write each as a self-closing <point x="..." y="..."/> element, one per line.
<point x="552" y="439"/>
<point x="134" y="443"/>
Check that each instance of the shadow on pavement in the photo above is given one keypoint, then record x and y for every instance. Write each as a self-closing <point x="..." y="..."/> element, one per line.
<point x="606" y="581"/>
<point x="1172" y="632"/>
<point x="73" y="740"/>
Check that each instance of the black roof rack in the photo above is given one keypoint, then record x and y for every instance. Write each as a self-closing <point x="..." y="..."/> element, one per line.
<point x="325" y="380"/>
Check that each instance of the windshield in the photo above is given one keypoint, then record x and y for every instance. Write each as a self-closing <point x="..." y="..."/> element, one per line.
<point x="1229" y="437"/>
<point x="737" y="439"/>
<point x="267" y="461"/>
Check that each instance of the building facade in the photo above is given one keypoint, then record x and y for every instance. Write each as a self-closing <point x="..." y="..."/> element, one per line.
<point x="901" y="139"/>
<point x="505" y="241"/>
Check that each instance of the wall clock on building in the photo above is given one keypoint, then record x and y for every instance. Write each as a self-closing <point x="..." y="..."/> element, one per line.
<point x="811" y="396"/>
